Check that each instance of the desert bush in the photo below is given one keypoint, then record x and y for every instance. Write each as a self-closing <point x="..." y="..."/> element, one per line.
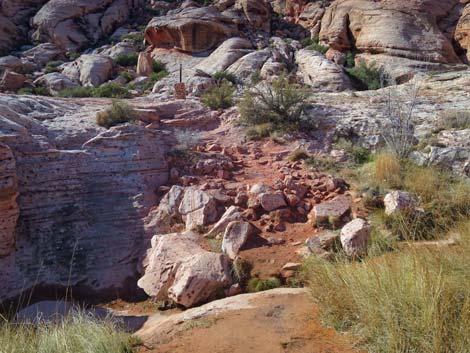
<point x="78" y="333"/>
<point x="37" y="91"/>
<point x="257" y="285"/>
<point x="314" y="44"/>
<point x="220" y="76"/>
<point x="279" y="103"/>
<point x="397" y="126"/>
<point x="127" y="59"/>
<point x="136" y="38"/>
<point x="256" y="78"/>
<point x="154" y="78"/>
<point x="126" y="75"/>
<point x="387" y="170"/>
<point x="118" y="113"/>
<point x="298" y="155"/>
<point x="241" y="270"/>
<point x="52" y="66"/>
<point x="158" y="66"/>
<point x="219" y="96"/>
<point x="366" y="77"/>
<point x="76" y="92"/>
<point x="358" y="154"/>
<point x="417" y="300"/>
<point x="72" y="55"/>
<point x="259" y="131"/>
<point x="111" y="90"/>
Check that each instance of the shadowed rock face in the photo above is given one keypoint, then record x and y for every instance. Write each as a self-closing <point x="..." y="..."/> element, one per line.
<point x="83" y="194"/>
<point x="192" y="29"/>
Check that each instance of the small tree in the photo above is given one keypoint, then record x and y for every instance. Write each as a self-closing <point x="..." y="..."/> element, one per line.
<point x="280" y="103"/>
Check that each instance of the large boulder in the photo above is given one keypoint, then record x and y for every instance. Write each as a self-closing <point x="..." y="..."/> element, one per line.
<point x="192" y="29"/>
<point x="197" y="208"/>
<point x="72" y="24"/>
<point x="320" y="73"/>
<point x="160" y="219"/>
<point x="355" y="237"/>
<point x="235" y="237"/>
<point x="244" y="67"/>
<point x="176" y="267"/>
<point x="225" y="55"/>
<point x="41" y="54"/>
<point x="10" y="62"/>
<point x="55" y="82"/>
<point x="90" y="70"/>
<point x="12" y="81"/>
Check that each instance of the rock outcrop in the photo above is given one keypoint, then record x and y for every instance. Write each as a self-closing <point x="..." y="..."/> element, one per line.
<point x="72" y="24"/>
<point x="355" y="236"/>
<point x="192" y="29"/>
<point x="83" y="194"/>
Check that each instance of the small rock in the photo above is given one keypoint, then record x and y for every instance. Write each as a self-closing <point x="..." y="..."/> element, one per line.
<point x="271" y="201"/>
<point x="355" y="237"/>
<point x="399" y="201"/>
<point x="291" y="266"/>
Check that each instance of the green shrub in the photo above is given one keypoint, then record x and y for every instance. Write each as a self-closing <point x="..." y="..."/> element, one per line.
<point x="111" y="90"/>
<point x="366" y="77"/>
<point x="36" y="91"/>
<point x="417" y="300"/>
<point x="257" y="285"/>
<point x="314" y="44"/>
<point x="126" y="75"/>
<point x="219" y="96"/>
<point x="256" y="78"/>
<point x="118" y="113"/>
<point x="76" y="92"/>
<point x="72" y="55"/>
<point x="350" y="59"/>
<point x="127" y="59"/>
<point x="78" y="333"/>
<point x="279" y="103"/>
<point x="158" y="66"/>
<point x="52" y="66"/>
<point x="258" y="132"/>
<point x="358" y="154"/>
<point x="219" y="76"/>
<point x="154" y="78"/>
<point x="136" y="38"/>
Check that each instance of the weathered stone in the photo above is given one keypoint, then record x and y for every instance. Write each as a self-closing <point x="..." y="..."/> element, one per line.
<point x="399" y="202"/>
<point x="9" y="210"/>
<point x="320" y="73"/>
<point x="244" y="67"/>
<point x="235" y="237"/>
<point x="90" y="70"/>
<point x="324" y="240"/>
<point x="355" y="237"/>
<point x="232" y="213"/>
<point x="160" y="219"/>
<point x="271" y="201"/>
<point x="336" y="208"/>
<point x="11" y="63"/>
<point x="192" y="29"/>
<point x="257" y="12"/>
<point x="55" y="82"/>
<point x="179" y="269"/>
<point x="197" y="208"/>
<point x="12" y="81"/>
<point x="43" y="53"/>
<point x="145" y="64"/>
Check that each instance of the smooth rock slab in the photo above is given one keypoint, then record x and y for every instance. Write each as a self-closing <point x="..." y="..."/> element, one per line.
<point x="235" y="237"/>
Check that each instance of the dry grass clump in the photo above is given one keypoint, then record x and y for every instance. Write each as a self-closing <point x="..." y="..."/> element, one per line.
<point x="220" y="96"/>
<point x="417" y="300"/>
<point x="118" y="113"/>
<point x="78" y="333"/>
<point x="444" y="198"/>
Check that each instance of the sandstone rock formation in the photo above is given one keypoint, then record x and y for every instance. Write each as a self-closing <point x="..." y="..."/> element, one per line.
<point x="55" y="82"/>
<point x="76" y="183"/>
<point x="179" y="269"/>
<point x="236" y="235"/>
<point x="197" y="208"/>
<point x="73" y="24"/>
<point x="191" y="29"/>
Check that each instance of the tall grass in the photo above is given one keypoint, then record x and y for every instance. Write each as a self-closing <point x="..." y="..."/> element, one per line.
<point x="78" y="333"/>
<point x="417" y="300"/>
